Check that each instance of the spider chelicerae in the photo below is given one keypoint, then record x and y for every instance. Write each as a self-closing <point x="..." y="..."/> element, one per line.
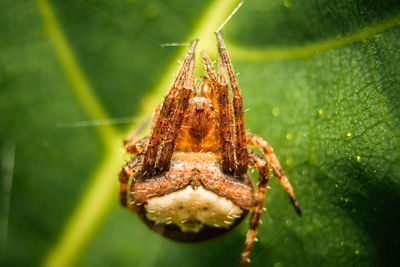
<point x="188" y="178"/>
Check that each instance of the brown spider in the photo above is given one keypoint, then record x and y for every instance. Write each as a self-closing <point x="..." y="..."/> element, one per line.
<point x="188" y="180"/>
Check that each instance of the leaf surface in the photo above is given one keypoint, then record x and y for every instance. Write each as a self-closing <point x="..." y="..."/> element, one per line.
<point x="320" y="80"/>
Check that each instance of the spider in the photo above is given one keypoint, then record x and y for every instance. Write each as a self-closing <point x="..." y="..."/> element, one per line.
<point x="188" y="178"/>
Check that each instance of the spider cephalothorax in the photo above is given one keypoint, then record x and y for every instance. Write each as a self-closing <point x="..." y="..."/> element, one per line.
<point x="188" y="180"/>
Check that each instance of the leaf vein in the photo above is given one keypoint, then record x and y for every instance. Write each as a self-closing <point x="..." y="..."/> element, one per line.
<point x="380" y="98"/>
<point x="247" y="54"/>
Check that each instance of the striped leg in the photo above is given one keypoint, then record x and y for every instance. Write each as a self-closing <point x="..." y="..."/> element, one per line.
<point x="261" y="164"/>
<point x="176" y="117"/>
<point x="242" y="157"/>
<point x="254" y="140"/>
<point x="163" y="120"/>
<point x="132" y="168"/>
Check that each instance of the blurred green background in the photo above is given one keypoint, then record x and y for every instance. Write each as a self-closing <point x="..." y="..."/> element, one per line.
<point x="320" y="80"/>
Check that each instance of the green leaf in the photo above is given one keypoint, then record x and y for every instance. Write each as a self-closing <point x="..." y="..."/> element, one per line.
<point x="321" y="80"/>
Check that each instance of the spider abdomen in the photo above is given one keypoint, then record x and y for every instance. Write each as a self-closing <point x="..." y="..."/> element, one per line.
<point x="194" y="200"/>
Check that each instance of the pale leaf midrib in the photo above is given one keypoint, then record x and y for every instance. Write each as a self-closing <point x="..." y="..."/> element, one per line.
<point x="76" y="77"/>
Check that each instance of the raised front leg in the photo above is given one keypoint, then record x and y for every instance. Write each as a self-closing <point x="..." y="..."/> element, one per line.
<point x="163" y="120"/>
<point x="225" y="131"/>
<point x="254" y="140"/>
<point x="175" y="120"/>
<point x="241" y="153"/>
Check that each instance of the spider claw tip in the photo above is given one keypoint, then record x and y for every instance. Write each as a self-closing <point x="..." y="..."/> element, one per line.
<point x="297" y="208"/>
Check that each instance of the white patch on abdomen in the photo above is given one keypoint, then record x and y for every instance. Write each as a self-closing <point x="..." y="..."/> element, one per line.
<point x="191" y="208"/>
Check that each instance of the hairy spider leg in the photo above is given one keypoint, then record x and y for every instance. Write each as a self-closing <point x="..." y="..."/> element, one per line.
<point x="130" y="169"/>
<point x="256" y="161"/>
<point x="134" y="147"/>
<point x="130" y="139"/>
<point x="210" y="69"/>
<point x="254" y="140"/>
<point x="213" y="81"/>
<point x="149" y="161"/>
<point x="228" y="160"/>
<point x="139" y="146"/>
<point x="228" y="150"/>
<point x="242" y="157"/>
<point x="175" y="120"/>
<point x="123" y="187"/>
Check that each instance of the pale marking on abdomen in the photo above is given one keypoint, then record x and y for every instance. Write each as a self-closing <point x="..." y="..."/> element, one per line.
<point x="191" y="208"/>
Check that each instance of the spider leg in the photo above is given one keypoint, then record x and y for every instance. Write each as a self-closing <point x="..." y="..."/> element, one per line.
<point x="260" y="143"/>
<point x="209" y="67"/>
<point x="131" y="169"/>
<point x="261" y="164"/>
<point x="175" y="120"/>
<point x="212" y="80"/>
<point x="228" y="160"/>
<point x="137" y="147"/>
<point x="129" y="140"/>
<point x="242" y="156"/>
<point x="150" y="155"/>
